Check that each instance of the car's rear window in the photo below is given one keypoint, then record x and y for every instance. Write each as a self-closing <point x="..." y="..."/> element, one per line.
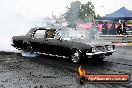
<point x="39" y="33"/>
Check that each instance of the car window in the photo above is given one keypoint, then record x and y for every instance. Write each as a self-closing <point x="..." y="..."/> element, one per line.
<point x="39" y="33"/>
<point x="50" y="33"/>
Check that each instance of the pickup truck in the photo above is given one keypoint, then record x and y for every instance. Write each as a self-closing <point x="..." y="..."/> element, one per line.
<point x="62" y="42"/>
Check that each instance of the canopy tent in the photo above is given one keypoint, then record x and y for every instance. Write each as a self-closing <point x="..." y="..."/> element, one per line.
<point x="121" y="14"/>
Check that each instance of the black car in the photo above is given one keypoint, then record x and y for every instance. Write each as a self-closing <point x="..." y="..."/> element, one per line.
<point x="62" y="42"/>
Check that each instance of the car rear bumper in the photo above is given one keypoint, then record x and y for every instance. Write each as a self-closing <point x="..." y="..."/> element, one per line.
<point x="16" y="47"/>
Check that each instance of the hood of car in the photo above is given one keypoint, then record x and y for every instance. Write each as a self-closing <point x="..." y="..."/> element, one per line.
<point x="91" y="42"/>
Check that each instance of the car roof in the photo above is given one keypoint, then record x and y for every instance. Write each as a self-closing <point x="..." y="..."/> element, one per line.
<point x="51" y="27"/>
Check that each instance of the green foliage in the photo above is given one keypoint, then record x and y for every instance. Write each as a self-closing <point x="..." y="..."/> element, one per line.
<point x="72" y="13"/>
<point x="129" y="22"/>
<point x="87" y="12"/>
<point x="100" y="22"/>
<point x="77" y="11"/>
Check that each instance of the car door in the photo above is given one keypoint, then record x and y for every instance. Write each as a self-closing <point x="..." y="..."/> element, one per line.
<point x="37" y="40"/>
<point x="66" y="46"/>
<point x="53" y="45"/>
<point x="65" y="43"/>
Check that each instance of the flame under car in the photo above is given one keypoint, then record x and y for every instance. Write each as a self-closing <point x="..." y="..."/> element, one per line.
<point x="62" y="42"/>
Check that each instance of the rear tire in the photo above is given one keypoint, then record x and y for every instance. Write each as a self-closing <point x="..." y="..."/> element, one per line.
<point x="27" y="47"/>
<point x="76" y="56"/>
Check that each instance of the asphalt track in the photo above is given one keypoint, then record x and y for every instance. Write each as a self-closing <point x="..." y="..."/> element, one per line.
<point x="17" y="71"/>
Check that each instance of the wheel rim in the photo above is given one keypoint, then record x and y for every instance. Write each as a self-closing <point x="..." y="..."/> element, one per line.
<point x="75" y="57"/>
<point x="28" y="49"/>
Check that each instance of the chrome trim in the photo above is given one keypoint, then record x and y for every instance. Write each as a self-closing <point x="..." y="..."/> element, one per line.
<point x="58" y="34"/>
<point x="49" y="38"/>
<point x="18" y="48"/>
<point x="111" y="51"/>
<point x="96" y="53"/>
<point x="51" y="55"/>
<point x="80" y="51"/>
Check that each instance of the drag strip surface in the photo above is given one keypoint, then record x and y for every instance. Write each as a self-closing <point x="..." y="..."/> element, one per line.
<point x="17" y="71"/>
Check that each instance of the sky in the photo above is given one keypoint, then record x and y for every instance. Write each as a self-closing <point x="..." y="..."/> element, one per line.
<point x="18" y="16"/>
<point x="39" y="8"/>
<point x="108" y="6"/>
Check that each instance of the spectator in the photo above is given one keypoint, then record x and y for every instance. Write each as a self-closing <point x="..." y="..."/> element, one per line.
<point x="119" y="30"/>
<point x="112" y="30"/>
<point x="130" y="29"/>
<point x="124" y="28"/>
<point x="105" y="28"/>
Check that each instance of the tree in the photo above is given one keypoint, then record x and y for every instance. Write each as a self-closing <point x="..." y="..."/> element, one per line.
<point x="77" y="11"/>
<point x="87" y="12"/>
<point x="72" y="13"/>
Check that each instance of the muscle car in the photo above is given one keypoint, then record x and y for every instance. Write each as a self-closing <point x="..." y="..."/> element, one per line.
<point x="62" y="42"/>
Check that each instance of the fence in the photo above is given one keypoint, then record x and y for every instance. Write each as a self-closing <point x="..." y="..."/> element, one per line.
<point x="116" y="38"/>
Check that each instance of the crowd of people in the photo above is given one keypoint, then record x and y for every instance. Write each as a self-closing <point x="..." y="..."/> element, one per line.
<point x="114" y="30"/>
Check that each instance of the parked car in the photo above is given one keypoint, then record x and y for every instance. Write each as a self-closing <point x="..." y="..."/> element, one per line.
<point x="62" y="42"/>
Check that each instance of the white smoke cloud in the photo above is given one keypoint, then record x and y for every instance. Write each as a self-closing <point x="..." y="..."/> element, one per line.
<point x="14" y="20"/>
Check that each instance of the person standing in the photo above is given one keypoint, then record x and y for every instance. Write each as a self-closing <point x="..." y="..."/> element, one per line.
<point x="118" y="29"/>
<point x="105" y="28"/>
<point x="124" y="28"/>
<point x="112" y="30"/>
